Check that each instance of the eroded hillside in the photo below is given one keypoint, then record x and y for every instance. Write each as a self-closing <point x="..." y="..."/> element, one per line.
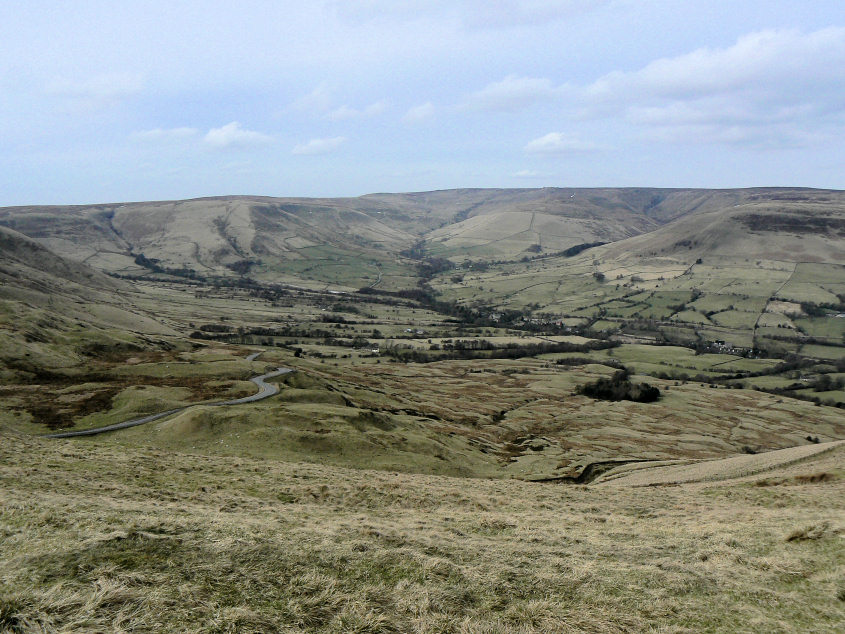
<point x="351" y="243"/>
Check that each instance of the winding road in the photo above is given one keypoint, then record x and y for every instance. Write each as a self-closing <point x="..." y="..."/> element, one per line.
<point x="265" y="390"/>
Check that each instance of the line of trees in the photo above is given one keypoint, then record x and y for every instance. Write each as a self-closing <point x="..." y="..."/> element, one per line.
<point x="482" y="349"/>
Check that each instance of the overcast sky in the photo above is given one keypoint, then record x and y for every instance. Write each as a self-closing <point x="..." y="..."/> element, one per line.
<point x="112" y="101"/>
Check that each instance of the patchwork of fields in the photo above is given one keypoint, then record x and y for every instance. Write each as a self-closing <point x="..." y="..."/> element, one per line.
<point x="508" y="411"/>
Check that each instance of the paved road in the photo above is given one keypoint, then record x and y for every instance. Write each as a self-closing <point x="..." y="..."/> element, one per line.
<point x="265" y="390"/>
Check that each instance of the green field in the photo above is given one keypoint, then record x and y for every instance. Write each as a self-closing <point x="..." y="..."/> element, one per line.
<point x="484" y="429"/>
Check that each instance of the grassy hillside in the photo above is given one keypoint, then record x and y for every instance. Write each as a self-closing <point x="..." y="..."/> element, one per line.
<point x="677" y="284"/>
<point x="349" y="243"/>
<point x="308" y="241"/>
<point x="765" y="273"/>
<point x="450" y="453"/>
<point x="98" y="537"/>
<point x="788" y="226"/>
<point x="619" y="203"/>
<point x="515" y="416"/>
<point x="781" y="467"/>
<point x="56" y="313"/>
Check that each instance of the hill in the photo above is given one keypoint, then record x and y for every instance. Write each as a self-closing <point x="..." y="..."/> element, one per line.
<point x="54" y="312"/>
<point x="280" y="273"/>
<point x="508" y="223"/>
<point x="100" y="537"/>
<point x="441" y="458"/>
<point x="27" y="264"/>
<point x="218" y="237"/>
<point x="789" y="225"/>
<point x="764" y="272"/>
<point x="349" y="243"/>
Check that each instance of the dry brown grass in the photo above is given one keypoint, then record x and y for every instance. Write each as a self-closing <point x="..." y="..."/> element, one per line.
<point x="539" y="428"/>
<point x="57" y="400"/>
<point x="96" y="537"/>
<point x="651" y="474"/>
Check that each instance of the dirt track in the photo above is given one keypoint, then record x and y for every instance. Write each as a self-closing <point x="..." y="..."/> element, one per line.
<point x="740" y="466"/>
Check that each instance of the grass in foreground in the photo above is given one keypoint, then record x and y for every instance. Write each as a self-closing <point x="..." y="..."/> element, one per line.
<point x="96" y="537"/>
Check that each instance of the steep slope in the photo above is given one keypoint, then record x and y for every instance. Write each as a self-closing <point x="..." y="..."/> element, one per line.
<point x="513" y="234"/>
<point x="213" y="233"/>
<point x="740" y="275"/>
<point x="456" y="205"/>
<point x="115" y="537"/>
<point x="79" y="233"/>
<point x="779" y="226"/>
<point x="26" y="263"/>
<point x="553" y="217"/>
<point x="354" y="242"/>
<point x="510" y="223"/>
<point x="53" y="311"/>
<point x="213" y="236"/>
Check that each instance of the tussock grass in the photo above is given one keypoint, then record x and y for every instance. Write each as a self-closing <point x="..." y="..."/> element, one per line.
<point x="815" y="531"/>
<point x="97" y="537"/>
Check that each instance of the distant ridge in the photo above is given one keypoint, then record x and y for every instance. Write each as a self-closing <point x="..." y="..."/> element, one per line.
<point x="262" y="236"/>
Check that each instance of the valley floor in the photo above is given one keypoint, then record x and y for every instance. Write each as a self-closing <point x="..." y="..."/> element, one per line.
<point x="456" y="372"/>
<point x="95" y="536"/>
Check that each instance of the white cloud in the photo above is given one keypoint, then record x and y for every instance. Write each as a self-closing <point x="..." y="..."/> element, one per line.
<point x="769" y="88"/>
<point x="420" y="113"/>
<point x="511" y="94"/>
<point x="559" y="143"/>
<point x="345" y="112"/>
<point x="318" y="100"/>
<point x="97" y="89"/>
<point x="321" y="101"/>
<point x="529" y="174"/>
<point x="765" y="61"/>
<point x="234" y="135"/>
<point x="319" y="146"/>
<point x="704" y="122"/>
<point x="712" y="110"/>
<point x="162" y="134"/>
<point x="722" y="119"/>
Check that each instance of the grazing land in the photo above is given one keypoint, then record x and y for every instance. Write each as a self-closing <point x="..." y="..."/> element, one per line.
<point x="99" y="536"/>
<point x="508" y="410"/>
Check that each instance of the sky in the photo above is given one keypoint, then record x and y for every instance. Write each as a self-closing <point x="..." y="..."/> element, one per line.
<point x="104" y="101"/>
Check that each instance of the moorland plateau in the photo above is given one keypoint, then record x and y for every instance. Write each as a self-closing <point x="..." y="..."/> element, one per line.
<point x="509" y="410"/>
